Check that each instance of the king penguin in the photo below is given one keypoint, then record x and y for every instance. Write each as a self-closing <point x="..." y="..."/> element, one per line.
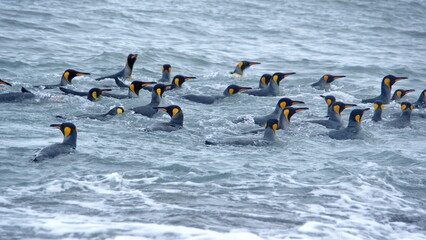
<point x="264" y="80"/>
<point x="93" y="94"/>
<point x="281" y="104"/>
<point x="421" y="101"/>
<point x="325" y="81"/>
<point x="150" y="109"/>
<point x="24" y="94"/>
<point x="229" y="91"/>
<point x="5" y="83"/>
<point x="400" y="93"/>
<point x="66" y="79"/>
<point x="287" y="113"/>
<point x="106" y="116"/>
<point x="334" y="120"/>
<point x="125" y="73"/>
<point x="165" y="71"/>
<point x="273" y="88"/>
<point x="271" y="127"/>
<point x="134" y="89"/>
<point x="175" y="123"/>
<point x="378" y="110"/>
<point x="67" y="146"/>
<point x="241" y="66"/>
<point x="386" y="88"/>
<point x="404" y="120"/>
<point x="353" y="130"/>
<point x="329" y="99"/>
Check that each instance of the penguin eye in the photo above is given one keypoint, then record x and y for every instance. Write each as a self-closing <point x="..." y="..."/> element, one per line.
<point x="325" y="77"/>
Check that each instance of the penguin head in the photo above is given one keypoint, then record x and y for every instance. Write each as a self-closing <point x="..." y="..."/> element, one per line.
<point x="5" y="83"/>
<point x="159" y="89"/>
<point x="278" y="76"/>
<point x="166" y="68"/>
<point x="330" y="78"/>
<point x="178" y="80"/>
<point x="136" y="86"/>
<point x="378" y="105"/>
<point x="288" y="112"/>
<point x="264" y="80"/>
<point x="131" y="59"/>
<point x="272" y="124"/>
<point x="241" y="66"/>
<point x="338" y="107"/>
<point x="356" y="115"/>
<point x="68" y="129"/>
<point x="329" y="99"/>
<point x="69" y="74"/>
<point x="95" y="93"/>
<point x="287" y="102"/>
<point x="406" y="106"/>
<point x="390" y="80"/>
<point x="399" y="93"/>
<point x="233" y="89"/>
<point x="116" y="111"/>
<point x="172" y="110"/>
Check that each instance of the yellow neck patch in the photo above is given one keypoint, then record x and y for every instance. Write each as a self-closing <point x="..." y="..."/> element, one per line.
<point x="286" y="113"/>
<point x="240" y="64"/>
<point x="119" y="111"/>
<point x="325" y="78"/>
<point x="399" y="93"/>
<point x="328" y="101"/>
<point x="170" y="69"/>
<point x="275" y="127"/>
<point x="231" y="91"/>
<point x="132" y="88"/>
<point x="158" y="91"/>
<point x="376" y="106"/>
<point x="358" y="118"/>
<point x="263" y="80"/>
<point x="336" y="109"/>
<point x="403" y="107"/>
<point x="66" y="76"/>
<point x="275" y="78"/>
<point x="283" y="105"/>
<point x="177" y="82"/>
<point x="387" y="82"/>
<point x="162" y="69"/>
<point x="67" y="131"/>
<point x="424" y="93"/>
<point x="174" y="111"/>
<point x="94" y="95"/>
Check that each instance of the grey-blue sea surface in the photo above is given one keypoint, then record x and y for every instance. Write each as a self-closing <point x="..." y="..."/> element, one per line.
<point x="126" y="183"/>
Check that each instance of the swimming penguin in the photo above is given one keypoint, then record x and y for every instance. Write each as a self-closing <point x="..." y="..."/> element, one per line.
<point x="353" y="130"/>
<point x="5" y="83"/>
<point x="229" y="91"/>
<point x="273" y="88"/>
<point x="175" y="123"/>
<point x="324" y="82"/>
<point x="421" y="102"/>
<point x="334" y="120"/>
<point x="66" y="79"/>
<point x="149" y="110"/>
<point x="166" y="71"/>
<point x="282" y="103"/>
<point x="271" y="127"/>
<point x="92" y="95"/>
<point x="134" y="89"/>
<point x="264" y="80"/>
<point x="16" y="96"/>
<point x="125" y="73"/>
<point x="329" y="99"/>
<point x="106" y="116"/>
<point x="241" y="66"/>
<point x="399" y="93"/>
<point x="378" y="110"/>
<point x="404" y="119"/>
<point x="287" y="113"/>
<point x="67" y="146"/>
<point x="177" y="82"/>
<point x="386" y="87"/>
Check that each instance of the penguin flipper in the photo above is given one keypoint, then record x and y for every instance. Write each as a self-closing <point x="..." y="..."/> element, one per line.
<point x="210" y="143"/>
<point x="69" y="91"/>
<point x="117" y="96"/>
<point x="120" y="83"/>
<point x="24" y="90"/>
<point x="200" y="98"/>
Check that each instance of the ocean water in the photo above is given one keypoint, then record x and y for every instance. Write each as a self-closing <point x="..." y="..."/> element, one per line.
<point x="126" y="183"/>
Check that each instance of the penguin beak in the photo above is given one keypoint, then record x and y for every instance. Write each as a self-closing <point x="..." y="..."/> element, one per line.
<point x="365" y="110"/>
<point x="297" y="102"/>
<point x="243" y="89"/>
<point x="5" y="83"/>
<point x="410" y="90"/>
<point x="253" y="63"/>
<point x="400" y="78"/>
<point x="105" y="91"/>
<point x="288" y="74"/>
<point x="187" y="78"/>
<point x="58" y="126"/>
<point x="301" y="109"/>
<point x="161" y="108"/>
<point x="170" y="87"/>
<point x="337" y="77"/>
<point x="134" y="56"/>
<point x="82" y="73"/>
<point x="350" y="105"/>
<point x="322" y="96"/>
<point x="147" y="83"/>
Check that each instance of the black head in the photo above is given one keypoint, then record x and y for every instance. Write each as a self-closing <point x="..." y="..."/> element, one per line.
<point x="69" y="74"/>
<point x="399" y="93"/>
<point x="136" y="86"/>
<point x="172" y="110"/>
<point x="278" y="76"/>
<point x="272" y="123"/>
<point x="159" y="89"/>
<point x="116" y="111"/>
<point x="166" y="67"/>
<point x="406" y="106"/>
<point x="379" y="105"/>
<point x="66" y="128"/>
<point x="233" y="89"/>
<point x="178" y="80"/>
<point x="330" y="78"/>
<point x="287" y="102"/>
<point x="329" y="99"/>
<point x="338" y="107"/>
<point x="288" y="112"/>
<point x="356" y="114"/>
<point x="265" y="79"/>
<point x="390" y="80"/>
<point x="5" y="83"/>
<point x="245" y="64"/>
<point x="131" y="59"/>
<point x="95" y="93"/>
